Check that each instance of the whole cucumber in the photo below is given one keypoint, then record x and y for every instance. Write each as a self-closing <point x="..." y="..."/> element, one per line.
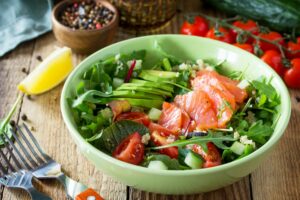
<point x="279" y="15"/>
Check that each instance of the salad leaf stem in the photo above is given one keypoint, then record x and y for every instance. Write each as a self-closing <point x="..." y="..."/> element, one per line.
<point x="6" y="120"/>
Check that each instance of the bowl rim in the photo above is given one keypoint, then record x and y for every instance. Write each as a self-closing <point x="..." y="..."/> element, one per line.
<point x="284" y="116"/>
<point x="63" y="3"/>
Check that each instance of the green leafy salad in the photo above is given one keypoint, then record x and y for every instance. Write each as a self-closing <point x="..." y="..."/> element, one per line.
<point x="173" y="114"/>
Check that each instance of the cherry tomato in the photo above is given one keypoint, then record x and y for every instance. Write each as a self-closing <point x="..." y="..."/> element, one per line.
<point x="272" y="36"/>
<point x="293" y="46"/>
<point x="138" y="117"/>
<point x="131" y="149"/>
<point x="248" y="25"/>
<point x="160" y="140"/>
<point x="246" y="47"/>
<point x="274" y="59"/>
<point x="160" y="129"/>
<point x="224" y="37"/>
<point x="199" y="27"/>
<point x="292" y="75"/>
<point x="212" y="157"/>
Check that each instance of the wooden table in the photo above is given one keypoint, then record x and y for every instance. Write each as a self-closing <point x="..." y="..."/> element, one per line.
<point x="277" y="178"/>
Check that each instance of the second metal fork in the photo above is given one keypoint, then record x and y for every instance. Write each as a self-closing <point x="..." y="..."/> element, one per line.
<point x="13" y="176"/>
<point x="39" y="163"/>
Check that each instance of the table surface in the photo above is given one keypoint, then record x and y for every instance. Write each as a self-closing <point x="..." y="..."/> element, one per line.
<point x="278" y="177"/>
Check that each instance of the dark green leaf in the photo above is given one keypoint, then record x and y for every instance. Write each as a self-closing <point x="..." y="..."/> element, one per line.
<point x="115" y="133"/>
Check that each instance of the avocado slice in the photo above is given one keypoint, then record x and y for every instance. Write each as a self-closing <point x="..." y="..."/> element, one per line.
<point x="163" y="86"/>
<point x="135" y="94"/>
<point x="158" y="76"/>
<point x="145" y="89"/>
<point x="146" y="103"/>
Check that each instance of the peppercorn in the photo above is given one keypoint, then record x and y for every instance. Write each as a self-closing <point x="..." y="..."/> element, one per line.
<point x="86" y="15"/>
<point x="12" y="123"/>
<point x="24" y="117"/>
<point x="297" y="99"/>
<point x="39" y="58"/>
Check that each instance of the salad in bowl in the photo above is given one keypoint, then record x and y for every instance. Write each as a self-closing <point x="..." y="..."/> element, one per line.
<point x="172" y="113"/>
<point x="175" y="114"/>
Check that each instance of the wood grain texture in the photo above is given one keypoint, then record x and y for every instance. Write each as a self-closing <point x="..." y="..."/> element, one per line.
<point x="11" y="74"/>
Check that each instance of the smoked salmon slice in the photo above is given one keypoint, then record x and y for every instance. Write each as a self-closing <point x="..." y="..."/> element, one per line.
<point x="199" y="107"/>
<point x="173" y="118"/>
<point x="231" y="85"/>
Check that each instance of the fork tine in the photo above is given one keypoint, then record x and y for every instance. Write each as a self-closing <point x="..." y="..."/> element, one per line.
<point x="6" y="161"/>
<point x="17" y="152"/>
<point x="23" y="149"/>
<point x="11" y="153"/>
<point x="31" y="148"/>
<point x="36" y="143"/>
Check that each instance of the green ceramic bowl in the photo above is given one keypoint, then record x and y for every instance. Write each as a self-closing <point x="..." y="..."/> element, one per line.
<point x="189" y="181"/>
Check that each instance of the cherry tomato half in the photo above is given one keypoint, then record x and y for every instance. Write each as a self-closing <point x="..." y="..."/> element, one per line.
<point x="293" y="46"/>
<point x="212" y="157"/>
<point x="292" y="75"/>
<point x="160" y="129"/>
<point x="274" y="59"/>
<point x="246" y="47"/>
<point x="131" y="149"/>
<point x="199" y="27"/>
<point x="138" y="117"/>
<point x="225" y="35"/>
<point x="248" y="25"/>
<point x="272" y="36"/>
<point x="160" y="140"/>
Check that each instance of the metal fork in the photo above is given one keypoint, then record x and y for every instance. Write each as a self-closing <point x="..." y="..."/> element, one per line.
<point x="13" y="176"/>
<point x="39" y="163"/>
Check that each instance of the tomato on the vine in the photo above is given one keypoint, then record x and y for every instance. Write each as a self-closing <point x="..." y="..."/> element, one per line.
<point x="274" y="59"/>
<point x="293" y="46"/>
<point x="131" y="149"/>
<point x="199" y="27"/>
<point x="245" y="46"/>
<point x="292" y="75"/>
<point x="248" y="25"/>
<point x="271" y="36"/>
<point x="220" y="34"/>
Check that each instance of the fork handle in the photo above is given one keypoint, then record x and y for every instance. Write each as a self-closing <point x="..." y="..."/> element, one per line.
<point x="36" y="195"/>
<point x="72" y="187"/>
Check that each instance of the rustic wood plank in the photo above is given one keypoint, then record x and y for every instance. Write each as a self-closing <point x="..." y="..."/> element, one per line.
<point x="44" y="115"/>
<point x="11" y="74"/>
<point x="278" y="178"/>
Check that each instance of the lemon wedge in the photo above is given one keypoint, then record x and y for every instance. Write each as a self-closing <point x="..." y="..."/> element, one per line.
<point x="49" y="73"/>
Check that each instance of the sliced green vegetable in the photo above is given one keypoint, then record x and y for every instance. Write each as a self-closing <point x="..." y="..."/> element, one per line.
<point x="237" y="148"/>
<point x="154" y="114"/>
<point x="152" y="84"/>
<point x="193" y="160"/>
<point x="166" y="64"/>
<point x="145" y="89"/>
<point x="157" y="164"/>
<point x="135" y="94"/>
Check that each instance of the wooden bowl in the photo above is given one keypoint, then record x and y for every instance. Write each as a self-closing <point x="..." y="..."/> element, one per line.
<point x="84" y="41"/>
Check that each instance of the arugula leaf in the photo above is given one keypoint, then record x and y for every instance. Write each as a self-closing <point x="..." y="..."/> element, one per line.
<point x="90" y="96"/>
<point x="115" y="133"/>
<point x="197" y="140"/>
<point x="259" y="132"/>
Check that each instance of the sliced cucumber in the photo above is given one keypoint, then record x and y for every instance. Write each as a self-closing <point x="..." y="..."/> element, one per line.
<point x="117" y="82"/>
<point x="157" y="164"/>
<point x="237" y="148"/>
<point x="154" y="114"/>
<point x="193" y="160"/>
